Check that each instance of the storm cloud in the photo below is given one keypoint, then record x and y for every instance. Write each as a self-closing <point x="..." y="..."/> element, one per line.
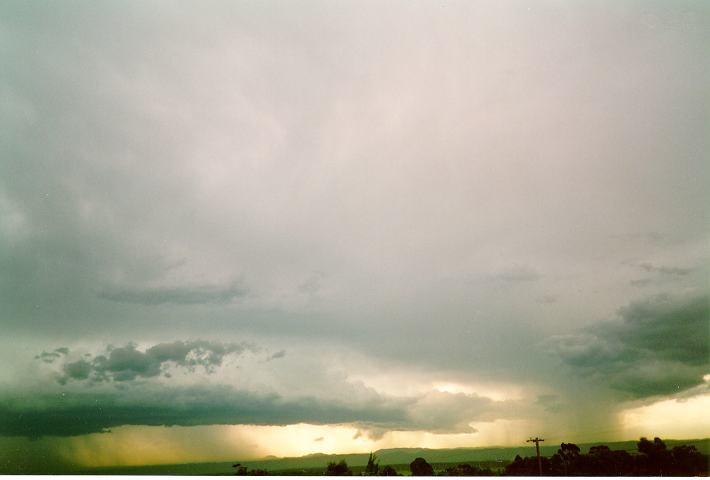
<point x="91" y="412"/>
<point x="85" y="409"/>
<point x="657" y="346"/>
<point x="50" y="357"/>
<point x="373" y="214"/>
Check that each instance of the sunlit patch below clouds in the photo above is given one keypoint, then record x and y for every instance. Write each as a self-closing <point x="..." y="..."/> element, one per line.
<point x="409" y="384"/>
<point x="498" y="393"/>
<point x="140" y="445"/>
<point x="676" y="418"/>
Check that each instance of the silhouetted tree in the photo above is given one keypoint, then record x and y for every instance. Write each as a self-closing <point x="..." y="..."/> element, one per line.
<point x="339" y="469"/>
<point x="566" y="459"/>
<point x="242" y="471"/>
<point x="466" y="470"/>
<point x="528" y="466"/>
<point x="687" y="461"/>
<point x="460" y="470"/>
<point x="388" y="471"/>
<point x="372" y="466"/>
<point x="604" y="461"/>
<point x="654" y="457"/>
<point x="420" y="468"/>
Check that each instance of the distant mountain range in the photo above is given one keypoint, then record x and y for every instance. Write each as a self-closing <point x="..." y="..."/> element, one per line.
<point x="389" y="456"/>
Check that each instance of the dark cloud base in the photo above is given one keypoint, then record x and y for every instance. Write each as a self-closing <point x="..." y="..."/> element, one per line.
<point x="70" y="414"/>
<point x="659" y="346"/>
<point x="130" y="386"/>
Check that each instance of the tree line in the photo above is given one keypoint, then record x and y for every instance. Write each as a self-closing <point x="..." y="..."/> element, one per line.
<point x="652" y="459"/>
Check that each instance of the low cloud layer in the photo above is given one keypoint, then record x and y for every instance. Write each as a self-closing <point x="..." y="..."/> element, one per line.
<point x="128" y="385"/>
<point x="79" y="408"/>
<point x="664" y="270"/>
<point x="658" y="346"/>
<point x="77" y="412"/>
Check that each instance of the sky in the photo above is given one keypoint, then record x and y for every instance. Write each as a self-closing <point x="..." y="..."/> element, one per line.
<point x="238" y="229"/>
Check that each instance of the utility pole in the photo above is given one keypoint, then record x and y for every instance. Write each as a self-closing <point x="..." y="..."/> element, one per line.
<point x="537" y="448"/>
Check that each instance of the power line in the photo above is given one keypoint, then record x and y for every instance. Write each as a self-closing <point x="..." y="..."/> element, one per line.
<point x="537" y="448"/>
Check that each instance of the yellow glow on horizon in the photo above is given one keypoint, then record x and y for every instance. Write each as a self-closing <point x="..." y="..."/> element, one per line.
<point x="139" y="445"/>
<point x="497" y="433"/>
<point x="681" y="418"/>
<point x="302" y="439"/>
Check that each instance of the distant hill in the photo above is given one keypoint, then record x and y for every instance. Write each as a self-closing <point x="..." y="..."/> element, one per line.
<point x="395" y="456"/>
<point x="389" y="456"/>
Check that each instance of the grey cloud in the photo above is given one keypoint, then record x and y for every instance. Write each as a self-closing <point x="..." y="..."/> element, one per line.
<point x="319" y="439"/>
<point x="660" y="274"/>
<point x="550" y="403"/>
<point x="445" y="412"/>
<point x="654" y="238"/>
<point x="196" y="352"/>
<point x="676" y="271"/>
<point x="175" y="295"/>
<point x="79" y="370"/>
<point x="312" y="284"/>
<point x="277" y="355"/>
<point x="92" y="403"/>
<point x="658" y="346"/>
<point x="50" y="357"/>
<point x="671" y="328"/>
<point x="518" y="273"/>
<point x="127" y="363"/>
<point x="546" y="299"/>
<point x="77" y="412"/>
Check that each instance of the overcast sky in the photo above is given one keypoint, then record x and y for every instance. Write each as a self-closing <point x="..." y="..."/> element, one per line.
<point x="291" y="227"/>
